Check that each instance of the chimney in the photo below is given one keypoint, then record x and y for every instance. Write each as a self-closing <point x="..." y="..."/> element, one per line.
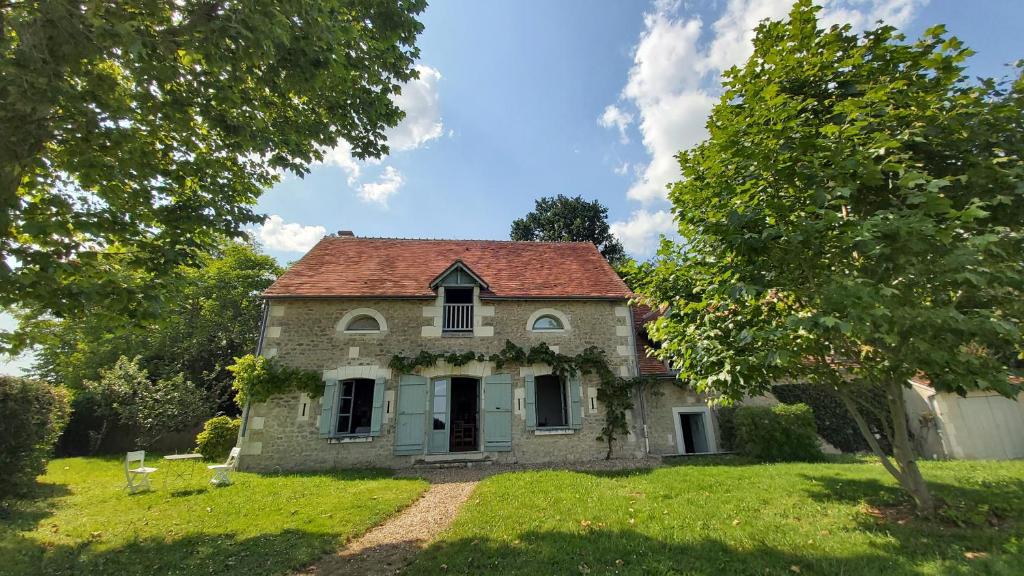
<point x="345" y="234"/>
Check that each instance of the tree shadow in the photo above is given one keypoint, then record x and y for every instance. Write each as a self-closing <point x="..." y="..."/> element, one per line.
<point x="627" y="552"/>
<point x="985" y="516"/>
<point x="218" y="554"/>
<point x="25" y="512"/>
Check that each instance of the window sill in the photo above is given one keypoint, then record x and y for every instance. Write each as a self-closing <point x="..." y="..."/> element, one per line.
<point x="349" y="439"/>
<point x="553" y="431"/>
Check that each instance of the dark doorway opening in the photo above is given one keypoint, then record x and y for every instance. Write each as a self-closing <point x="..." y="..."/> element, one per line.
<point x="695" y="436"/>
<point x="465" y="420"/>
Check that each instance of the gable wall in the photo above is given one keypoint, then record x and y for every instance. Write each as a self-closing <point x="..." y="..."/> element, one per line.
<point x="304" y="333"/>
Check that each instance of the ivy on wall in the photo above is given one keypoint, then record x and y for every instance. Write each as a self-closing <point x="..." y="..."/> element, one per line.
<point x="258" y="378"/>
<point x="614" y="392"/>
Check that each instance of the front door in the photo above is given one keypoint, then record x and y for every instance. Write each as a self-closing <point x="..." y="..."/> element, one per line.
<point x="439" y="417"/>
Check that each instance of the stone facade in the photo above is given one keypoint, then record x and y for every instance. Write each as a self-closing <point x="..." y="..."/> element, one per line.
<point x="308" y="333"/>
<point x="660" y="406"/>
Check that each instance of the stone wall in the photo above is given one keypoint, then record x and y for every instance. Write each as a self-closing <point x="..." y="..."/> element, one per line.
<point x="661" y="425"/>
<point x="283" y="432"/>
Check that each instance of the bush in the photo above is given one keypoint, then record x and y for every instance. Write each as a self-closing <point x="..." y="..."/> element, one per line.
<point x="726" y="427"/>
<point x="781" y="433"/>
<point x="833" y="419"/>
<point x="32" y="416"/>
<point x="218" y="437"/>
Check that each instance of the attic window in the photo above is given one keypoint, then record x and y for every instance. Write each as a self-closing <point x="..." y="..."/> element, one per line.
<point x="363" y="323"/>
<point x="547" y="322"/>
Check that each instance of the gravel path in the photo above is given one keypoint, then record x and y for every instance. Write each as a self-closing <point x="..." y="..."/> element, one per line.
<point x="388" y="548"/>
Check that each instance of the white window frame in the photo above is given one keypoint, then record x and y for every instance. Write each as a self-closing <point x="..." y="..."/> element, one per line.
<point x="708" y="427"/>
<point x="339" y="389"/>
<point x="566" y="403"/>
<point x="342" y="325"/>
<point x="558" y="315"/>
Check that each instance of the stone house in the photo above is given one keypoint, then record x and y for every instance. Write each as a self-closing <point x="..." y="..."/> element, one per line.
<point x="351" y="304"/>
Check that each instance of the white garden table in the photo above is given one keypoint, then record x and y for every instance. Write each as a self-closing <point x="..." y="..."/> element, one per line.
<point x="181" y="472"/>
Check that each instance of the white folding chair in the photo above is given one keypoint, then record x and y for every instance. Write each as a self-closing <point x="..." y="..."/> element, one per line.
<point x="137" y="477"/>
<point x="221" y="472"/>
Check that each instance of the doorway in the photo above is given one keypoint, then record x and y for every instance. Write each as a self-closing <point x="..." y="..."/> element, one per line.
<point x="465" y="427"/>
<point x="694" y="434"/>
<point x="455" y="415"/>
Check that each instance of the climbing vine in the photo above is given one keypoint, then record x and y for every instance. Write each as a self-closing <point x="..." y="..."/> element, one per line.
<point x="258" y="378"/>
<point x="614" y="392"/>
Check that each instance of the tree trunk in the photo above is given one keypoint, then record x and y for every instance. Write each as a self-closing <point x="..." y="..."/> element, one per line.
<point x="905" y="470"/>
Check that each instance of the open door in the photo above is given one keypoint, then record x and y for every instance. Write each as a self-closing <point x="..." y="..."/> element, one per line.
<point x="439" y="416"/>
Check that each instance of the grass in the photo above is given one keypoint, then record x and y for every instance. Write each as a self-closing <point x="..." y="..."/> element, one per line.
<point x="82" y="522"/>
<point x="724" y="517"/>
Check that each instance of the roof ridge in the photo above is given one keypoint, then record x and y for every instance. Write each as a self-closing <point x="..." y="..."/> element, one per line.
<point x="349" y="238"/>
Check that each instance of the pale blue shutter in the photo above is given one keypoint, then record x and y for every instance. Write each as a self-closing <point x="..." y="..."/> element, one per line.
<point x="377" y="416"/>
<point x="411" y="419"/>
<point x="498" y="413"/>
<point x="531" y="403"/>
<point x="575" y="403"/>
<point x="327" y="412"/>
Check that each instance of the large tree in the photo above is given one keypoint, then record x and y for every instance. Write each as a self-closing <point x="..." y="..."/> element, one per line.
<point x="143" y="131"/>
<point x="563" y="219"/>
<point x="854" y="220"/>
<point x="207" y="317"/>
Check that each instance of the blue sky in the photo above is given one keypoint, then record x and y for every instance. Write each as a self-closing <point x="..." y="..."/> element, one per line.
<point x="520" y="99"/>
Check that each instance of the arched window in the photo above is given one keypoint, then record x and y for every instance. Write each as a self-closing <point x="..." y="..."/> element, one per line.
<point x="547" y="322"/>
<point x="364" y="323"/>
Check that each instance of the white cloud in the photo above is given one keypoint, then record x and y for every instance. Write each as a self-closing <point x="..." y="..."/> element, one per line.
<point x="640" y="233"/>
<point x="422" y="123"/>
<point x="386" y="186"/>
<point x="341" y="156"/>
<point x="277" y="234"/>
<point x="613" y="116"/>
<point x="622" y="169"/>
<point x="673" y="83"/>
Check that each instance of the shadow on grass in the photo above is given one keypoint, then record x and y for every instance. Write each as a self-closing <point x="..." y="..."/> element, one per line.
<point x="219" y="554"/>
<point x="632" y="553"/>
<point x="27" y="511"/>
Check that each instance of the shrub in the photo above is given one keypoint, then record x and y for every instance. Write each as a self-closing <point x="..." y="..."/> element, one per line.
<point x="726" y="427"/>
<point x="32" y="416"/>
<point x="781" y="433"/>
<point x="258" y="378"/>
<point x="150" y="408"/>
<point x="218" y="437"/>
<point x="833" y="419"/>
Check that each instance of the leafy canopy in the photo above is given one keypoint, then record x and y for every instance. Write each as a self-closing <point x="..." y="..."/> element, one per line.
<point x="208" y="316"/>
<point x="563" y="219"/>
<point x="855" y="215"/>
<point x="146" y="130"/>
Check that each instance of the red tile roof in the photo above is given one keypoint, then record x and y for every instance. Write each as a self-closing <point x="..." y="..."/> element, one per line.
<point x="391" y="267"/>
<point x="649" y="365"/>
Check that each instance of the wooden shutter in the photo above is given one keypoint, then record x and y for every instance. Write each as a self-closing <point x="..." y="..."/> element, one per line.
<point x="531" y="403"/>
<point x="327" y="412"/>
<point x="377" y="415"/>
<point x="411" y="418"/>
<point x="575" y="403"/>
<point x="498" y="413"/>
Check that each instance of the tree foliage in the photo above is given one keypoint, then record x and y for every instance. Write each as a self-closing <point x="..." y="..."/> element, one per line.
<point x="854" y="218"/>
<point x="208" y="316"/>
<point x="257" y="378"/>
<point x="143" y="132"/>
<point x="563" y="219"/>
<point x="149" y="407"/>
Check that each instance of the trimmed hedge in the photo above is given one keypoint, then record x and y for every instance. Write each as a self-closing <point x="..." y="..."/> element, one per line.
<point x="831" y="416"/>
<point x="777" y="434"/>
<point x="32" y="416"/>
<point x="218" y="437"/>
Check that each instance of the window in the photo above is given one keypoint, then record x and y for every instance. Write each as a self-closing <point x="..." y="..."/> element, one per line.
<point x="552" y="405"/>
<point x="355" y="406"/>
<point x="547" y="323"/>
<point x="458" y="310"/>
<point x="363" y="323"/>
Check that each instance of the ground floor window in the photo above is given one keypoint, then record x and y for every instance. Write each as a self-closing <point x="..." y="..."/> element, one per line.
<point x="552" y="405"/>
<point x="693" y="430"/>
<point x="355" y="406"/>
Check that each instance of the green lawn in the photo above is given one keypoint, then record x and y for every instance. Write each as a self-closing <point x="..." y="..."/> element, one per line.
<point x="82" y="522"/>
<point x="703" y="517"/>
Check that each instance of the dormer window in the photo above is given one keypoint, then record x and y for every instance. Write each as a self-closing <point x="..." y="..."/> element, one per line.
<point x="458" y="284"/>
